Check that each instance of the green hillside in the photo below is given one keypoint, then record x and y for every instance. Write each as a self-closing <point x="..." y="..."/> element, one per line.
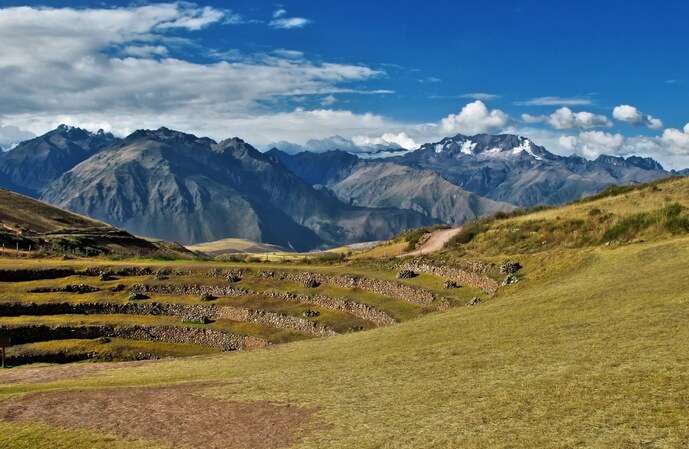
<point x="587" y="350"/>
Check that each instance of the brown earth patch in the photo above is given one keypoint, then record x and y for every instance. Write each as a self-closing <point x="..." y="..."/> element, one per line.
<point x="175" y="415"/>
<point x="44" y="374"/>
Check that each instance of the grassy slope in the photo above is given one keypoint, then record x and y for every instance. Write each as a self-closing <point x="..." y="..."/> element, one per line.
<point x="18" y="210"/>
<point x="586" y="351"/>
<point x="233" y="246"/>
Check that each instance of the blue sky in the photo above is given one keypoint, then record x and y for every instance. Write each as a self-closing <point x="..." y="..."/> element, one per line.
<point x="362" y="70"/>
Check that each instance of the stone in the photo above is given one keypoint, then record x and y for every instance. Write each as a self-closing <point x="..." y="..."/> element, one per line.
<point x="105" y="276"/>
<point x="311" y="283"/>
<point x="134" y="296"/>
<point x="233" y="277"/>
<point x="474" y="301"/>
<point x="406" y="274"/>
<point x="450" y="284"/>
<point x="118" y="288"/>
<point x="206" y="297"/>
<point x="195" y="318"/>
<point x="510" y="279"/>
<point x="103" y="340"/>
<point x="510" y="267"/>
<point x="310" y="313"/>
<point x="79" y="289"/>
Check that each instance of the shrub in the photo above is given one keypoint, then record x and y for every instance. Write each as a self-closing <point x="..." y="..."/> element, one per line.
<point x="467" y="234"/>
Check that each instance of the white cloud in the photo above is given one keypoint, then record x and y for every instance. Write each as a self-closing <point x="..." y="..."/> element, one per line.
<point x="565" y="118"/>
<point x="556" y="101"/>
<point x="630" y="114"/>
<point x="281" y="21"/>
<point x="483" y="96"/>
<point x="118" y="67"/>
<point x="11" y="135"/>
<point x="592" y="144"/>
<point x="677" y="140"/>
<point x="289" y="54"/>
<point x="329" y="100"/>
<point x="145" y="51"/>
<point x="387" y="139"/>
<point x="474" y="118"/>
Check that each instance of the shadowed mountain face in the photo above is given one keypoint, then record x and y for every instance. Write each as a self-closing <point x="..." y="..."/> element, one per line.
<point x="26" y="223"/>
<point x="179" y="187"/>
<point x="376" y="183"/>
<point x="33" y="164"/>
<point x="513" y="169"/>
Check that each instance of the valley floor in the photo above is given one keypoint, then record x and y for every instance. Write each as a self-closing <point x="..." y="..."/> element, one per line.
<point x="587" y="350"/>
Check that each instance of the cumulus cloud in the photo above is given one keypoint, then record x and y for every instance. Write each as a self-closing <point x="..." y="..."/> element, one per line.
<point x="630" y="114"/>
<point x="677" y="140"/>
<point x="119" y="67"/>
<point x="591" y="144"/>
<point x="474" y="118"/>
<point x="281" y="21"/>
<point x="401" y="140"/>
<point x="565" y="118"/>
<point x="555" y="101"/>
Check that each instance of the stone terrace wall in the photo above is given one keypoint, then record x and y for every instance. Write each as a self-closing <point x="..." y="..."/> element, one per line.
<point x="169" y="334"/>
<point x="464" y="277"/>
<point x="359" y="310"/>
<point x="262" y="317"/>
<point x="414" y="295"/>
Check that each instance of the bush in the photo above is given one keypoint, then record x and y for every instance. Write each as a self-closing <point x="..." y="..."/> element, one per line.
<point x="467" y="234"/>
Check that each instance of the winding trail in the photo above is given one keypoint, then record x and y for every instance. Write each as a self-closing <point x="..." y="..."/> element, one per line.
<point x="435" y="243"/>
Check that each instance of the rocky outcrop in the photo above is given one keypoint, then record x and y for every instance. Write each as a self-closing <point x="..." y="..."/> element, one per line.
<point x="359" y="310"/>
<point x="170" y="334"/>
<point x="463" y="277"/>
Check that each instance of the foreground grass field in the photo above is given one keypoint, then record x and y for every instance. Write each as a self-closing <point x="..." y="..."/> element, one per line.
<point x="588" y="350"/>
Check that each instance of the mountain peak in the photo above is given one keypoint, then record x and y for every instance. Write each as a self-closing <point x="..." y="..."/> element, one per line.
<point x="167" y="135"/>
<point x="487" y="145"/>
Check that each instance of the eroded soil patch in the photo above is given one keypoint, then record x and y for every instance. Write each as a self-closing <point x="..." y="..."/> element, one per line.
<point x="177" y="416"/>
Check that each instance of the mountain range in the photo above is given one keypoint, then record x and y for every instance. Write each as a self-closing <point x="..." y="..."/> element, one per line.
<point x="176" y="186"/>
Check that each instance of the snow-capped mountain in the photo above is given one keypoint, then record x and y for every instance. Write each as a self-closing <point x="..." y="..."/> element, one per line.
<point x="514" y="169"/>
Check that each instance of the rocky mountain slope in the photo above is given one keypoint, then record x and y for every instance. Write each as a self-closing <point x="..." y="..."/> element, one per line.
<point x="180" y="187"/>
<point x="33" y="164"/>
<point x="379" y="183"/>
<point x="513" y="169"/>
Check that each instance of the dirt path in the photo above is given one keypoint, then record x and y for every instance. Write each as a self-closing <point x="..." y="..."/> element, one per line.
<point x="437" y="241"/>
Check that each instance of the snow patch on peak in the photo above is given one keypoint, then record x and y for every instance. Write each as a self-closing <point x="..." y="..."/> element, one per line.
<point x="439" y="147"/>
<point x="468" y="147"/>
<point x="526" y="146"/>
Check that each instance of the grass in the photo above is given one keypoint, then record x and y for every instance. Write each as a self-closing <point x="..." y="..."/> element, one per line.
<point x="116" y="349"/>
<point x="583" y="352"/>
<point x="621" y="215"/>
<point x="586" y="351"/>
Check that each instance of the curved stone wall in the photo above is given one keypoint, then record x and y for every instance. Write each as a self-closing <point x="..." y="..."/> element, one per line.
<point x="263" y="317"/>
<point x="170" y="334"/>
<point x="397" y="290"/>
<point x="464" y="277"/>
<point x="359" y="310"/>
